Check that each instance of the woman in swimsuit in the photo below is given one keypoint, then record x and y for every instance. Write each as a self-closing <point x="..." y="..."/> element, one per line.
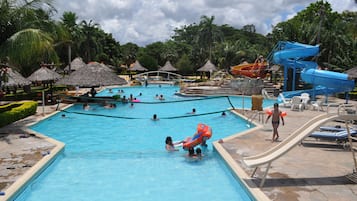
<point x="275" y="121"/>
<point x="170" y="146"/>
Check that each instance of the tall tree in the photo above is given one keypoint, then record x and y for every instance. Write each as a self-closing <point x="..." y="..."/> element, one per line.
<point x="67" y="47"/>
<point x="21" y="33"/>
<point x="89" y="43"/>
<point x="208" y="34"/>
<point x="128" y="53"/>
<point x="28" y="48"/>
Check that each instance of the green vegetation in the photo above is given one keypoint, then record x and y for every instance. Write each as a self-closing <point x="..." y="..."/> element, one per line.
<point x="29" y="36"/>
<point x="15" y="111"/>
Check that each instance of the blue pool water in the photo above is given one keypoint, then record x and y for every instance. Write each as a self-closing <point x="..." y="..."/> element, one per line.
<point x="120" y="155"/>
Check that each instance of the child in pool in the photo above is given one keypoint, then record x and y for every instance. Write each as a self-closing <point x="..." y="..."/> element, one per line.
<point x="170" y="146"/>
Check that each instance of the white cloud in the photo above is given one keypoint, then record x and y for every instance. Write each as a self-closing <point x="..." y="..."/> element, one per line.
<point x="146" y="21"/>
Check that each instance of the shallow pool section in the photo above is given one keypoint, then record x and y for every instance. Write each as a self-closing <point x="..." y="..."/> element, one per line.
<point x="118" y="154"/>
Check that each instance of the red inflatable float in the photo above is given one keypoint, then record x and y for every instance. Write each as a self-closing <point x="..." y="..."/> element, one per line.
<point x="204" y="132"/>
<point x="270" y="112"/>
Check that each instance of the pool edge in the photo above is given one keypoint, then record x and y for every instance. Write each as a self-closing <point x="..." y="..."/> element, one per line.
<point x="234" y="166"/>
<point x="17" y="187"/>
<point x="239" y="173"/>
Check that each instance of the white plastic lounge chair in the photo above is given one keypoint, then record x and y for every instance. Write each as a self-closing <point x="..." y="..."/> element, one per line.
<point x="285" y="101"/>
<point x="317" y="105"/>
<point x="305" y="97"/>
<point x="296" y="103"/>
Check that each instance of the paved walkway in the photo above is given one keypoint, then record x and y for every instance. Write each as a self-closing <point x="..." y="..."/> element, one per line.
<point x="21" y="149"/>
<point x="314" y="170"/>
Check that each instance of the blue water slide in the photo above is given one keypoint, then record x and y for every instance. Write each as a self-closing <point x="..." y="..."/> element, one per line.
<point x="294" y="51"/>
<point x="337" y="82"/>
<point x="325" y="82"/>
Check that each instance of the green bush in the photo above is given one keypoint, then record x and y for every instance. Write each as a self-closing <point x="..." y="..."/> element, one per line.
<point x="21" y="111"/>
<point x="8" y="107"/>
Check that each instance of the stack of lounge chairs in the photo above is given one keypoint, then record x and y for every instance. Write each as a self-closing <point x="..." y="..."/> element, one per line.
<point x="337" y="134"/>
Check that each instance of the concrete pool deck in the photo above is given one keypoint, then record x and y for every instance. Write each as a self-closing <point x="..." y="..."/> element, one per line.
<point x="311" y="171"/>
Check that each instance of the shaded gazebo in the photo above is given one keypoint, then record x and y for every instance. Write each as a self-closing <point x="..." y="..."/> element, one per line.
<point x="45" y="75"/>
<point x="95" y="74"/>
<point x="13" y="79"/>
<point x="76" y="64"/>
<point x="352" y="73"/>
<point x="168" y="67"/>
<point x="137" y="67"/>
<point x="208" y="67"/>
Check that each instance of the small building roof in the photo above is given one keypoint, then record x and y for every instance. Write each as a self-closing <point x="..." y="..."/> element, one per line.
<point x="352" y="73"/>
<point x="14" y="78"/>
<point x="208" y="67"/>
<point x="168" y="67"/>
<point x="95" y="74"/>
<point x="137" y="67"/>
<point x="44" y="74"/>
<point x="76" y="64"/>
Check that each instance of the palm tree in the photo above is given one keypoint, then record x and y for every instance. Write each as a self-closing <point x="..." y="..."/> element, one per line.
<point x="24" y="46"/>
<point x="89" y="42"/>
<point x="73" y="34"/>
<point x="209" y="33"/>
<point x="28" y="47"/>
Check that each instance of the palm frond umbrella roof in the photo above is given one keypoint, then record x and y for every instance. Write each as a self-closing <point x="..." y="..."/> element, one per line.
<point x="208" y="67"/>
<point x="352" y="73"/>
<point x="76" y="64"/>
<point x="14" y="78"/>
<point x="44" y="74"/>
<point x="95" y="74"/>
<point x="137" y="67"/>
<point x="168" y="67"/>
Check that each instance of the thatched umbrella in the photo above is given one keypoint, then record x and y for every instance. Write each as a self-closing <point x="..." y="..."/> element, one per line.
<point x="352" y="73"/>
<point x="76" y="64"/>
<point x="208" y="67"/>
<point x="95" y="74"/>
<point x="168" y="67"/>
<point x="44" y="74"/>
<point x="137" y="67"/>
<point x="13" y="79"/>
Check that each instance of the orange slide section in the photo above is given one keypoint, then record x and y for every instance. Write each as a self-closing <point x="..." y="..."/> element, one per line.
<point x="253" y="70"/>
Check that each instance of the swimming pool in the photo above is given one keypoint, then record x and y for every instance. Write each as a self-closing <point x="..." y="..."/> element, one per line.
<point x="120" y="155"/>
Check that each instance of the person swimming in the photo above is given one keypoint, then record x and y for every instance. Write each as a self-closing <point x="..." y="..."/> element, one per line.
<point x="170" y="146"/>
<point x="154" y="117"/>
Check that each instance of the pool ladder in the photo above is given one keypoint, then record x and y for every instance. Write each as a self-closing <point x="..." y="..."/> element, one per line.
<point x="255" y="114"/>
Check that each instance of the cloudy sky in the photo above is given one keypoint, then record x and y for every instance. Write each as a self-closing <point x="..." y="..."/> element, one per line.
<point x="146" y="21"/>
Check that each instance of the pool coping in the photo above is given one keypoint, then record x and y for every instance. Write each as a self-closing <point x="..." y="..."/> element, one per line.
<point x="20" y="184"/>
<point x="236" y="168"/>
